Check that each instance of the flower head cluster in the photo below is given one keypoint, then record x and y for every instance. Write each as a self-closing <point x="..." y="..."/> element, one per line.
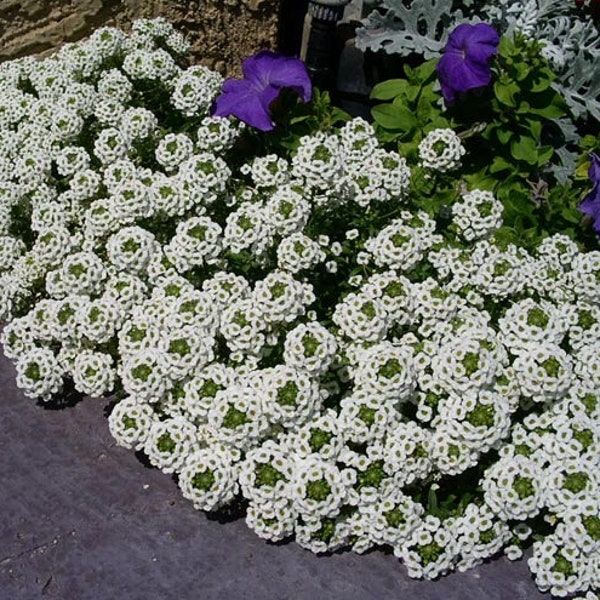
<point x="477" y="215"/>
<point x="441" y="150"/>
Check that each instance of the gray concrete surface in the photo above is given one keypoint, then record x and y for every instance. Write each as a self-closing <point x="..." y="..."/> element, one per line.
<point x="82" y="519"/>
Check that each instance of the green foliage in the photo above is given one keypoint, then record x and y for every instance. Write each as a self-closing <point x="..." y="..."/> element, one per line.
<point x="570" y="35"/>
<point x="415" y="107"/>
<point x="514" y="146"/>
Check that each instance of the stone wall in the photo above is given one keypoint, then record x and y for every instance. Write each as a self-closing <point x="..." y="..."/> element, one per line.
<point x="222" y="32"/>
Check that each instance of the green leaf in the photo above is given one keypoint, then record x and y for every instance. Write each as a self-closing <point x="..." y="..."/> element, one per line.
<point x="506" y="46"/>
<point x="534" y="126"/>
<point x="424" y="110"/>
<point x="438" y="122"/>
<point x="503" y="135"/>
<point x="424" y="94"/>
<point x="386" y="90"/>
<point x="505" y="191"/>
<point x="544" y="155"/>
<point x="525" y="149"/>
<point x="548" y="105"/>
<point x="409" y="149"/>
<point x="582" y="170"/>
<point x="505" y="93"/>
<point x="522" y="71"/>
<point x="481" y="180"/>
<point x="541" y="83"/>
<point x="393" y="116"/>
<point x="424" y="71"/>
<point x="552" y="111"/>
<point x="571" y="215"/>
<point x="385" y="135"/>
<point x="500" y="164"/>
<point x="432" y="501"/>
<point x="339" y="116"/>
<point x="299" y="119"/>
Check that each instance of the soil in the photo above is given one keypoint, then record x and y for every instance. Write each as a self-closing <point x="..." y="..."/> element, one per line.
<point x="222" y="32"/>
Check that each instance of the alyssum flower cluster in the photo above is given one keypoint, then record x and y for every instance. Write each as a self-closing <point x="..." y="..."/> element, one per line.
<point x="291" y="332"/>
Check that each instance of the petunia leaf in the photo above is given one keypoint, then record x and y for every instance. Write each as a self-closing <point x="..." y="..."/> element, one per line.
<point x="392" y="116"/>
<point x="387" y="90"/>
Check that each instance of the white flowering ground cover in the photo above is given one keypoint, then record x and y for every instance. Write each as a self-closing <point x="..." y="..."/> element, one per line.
<point x="288" y="331"/>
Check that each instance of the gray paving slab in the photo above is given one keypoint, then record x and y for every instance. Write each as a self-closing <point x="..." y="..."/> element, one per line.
<point x="84" y="519"/>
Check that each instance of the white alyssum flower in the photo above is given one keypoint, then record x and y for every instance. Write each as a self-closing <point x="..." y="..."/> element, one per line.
<point x="247" y="228"/>
<point x="432" y="548"/>
<point x="297" y="252"/>
<point x="291" y="397"/>
<point x="482" y="535"/>
<point x="560" y="566"/>
<point x="513" y="488"/>
<point x="217" y="134"/>
<point x="310" y="347"/>
<point x="286" y="211"/>
<point x="39" y="374"/>
<point x="209" y="476"/>
<point x="174" y="149"/>
<point x="361" y="317"/>
<point x="401" y="245"/>
<point x="477" y="215"/>
<point x="71" y="160"/>
<point x="528" y="322"/>
<point x="281" y="298"/>
<point x="319" y="488"/>
<point x="137" y="123"/>
<point x="318" y="161"/>
<point x="143" y="374"/>
<point x="266" y="472"/>
<point x="197" y="241"/>
<point x="169" y="443"/>
<point x="94" y="373"/>
<point x="441" y="150"/>
<point x="195" y="89"/>
<point x="243" y="326"/>
<point x="386" y="369"/>
<point x="268" y="171"/>
<point x="130" y="421"/>
<point x="225" y="287"/>
<point x="544" y="372"/>
<point x="111" y="145"/>
<point x="238" y="416"/>
<point x="131" y="248"/>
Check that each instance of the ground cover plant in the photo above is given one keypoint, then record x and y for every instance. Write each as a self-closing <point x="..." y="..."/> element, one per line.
<point x="364" y="335"/>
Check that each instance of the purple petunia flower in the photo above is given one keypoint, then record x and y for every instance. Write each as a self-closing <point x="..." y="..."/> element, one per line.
<point x="590" y="205"/>
<point x="465" y="63"/>
<point x="265" y="75"/>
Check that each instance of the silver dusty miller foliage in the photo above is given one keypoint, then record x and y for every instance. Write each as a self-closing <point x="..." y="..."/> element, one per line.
<point x="571" y="40"/>
<point x="398" y="27"/>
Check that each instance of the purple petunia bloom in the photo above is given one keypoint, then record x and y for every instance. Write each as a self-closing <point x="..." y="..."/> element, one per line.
<point x="265" y="75"/>
<point x="465" y="63"/>
<point x="590" y="205"/>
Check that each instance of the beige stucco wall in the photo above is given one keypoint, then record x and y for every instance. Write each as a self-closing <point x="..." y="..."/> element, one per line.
<point x="222" y="32"/>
